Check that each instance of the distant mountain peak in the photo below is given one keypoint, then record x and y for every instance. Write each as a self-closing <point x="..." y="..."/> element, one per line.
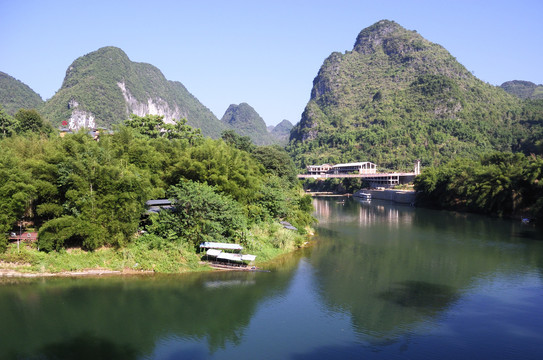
<point x="523" y="89"/>
<point x="373" y="37"/>
<point x="245" y="121"/>
<point x="282" y="130"/>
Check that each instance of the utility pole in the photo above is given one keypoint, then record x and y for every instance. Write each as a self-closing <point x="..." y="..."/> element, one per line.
<point x="20" y="234"/>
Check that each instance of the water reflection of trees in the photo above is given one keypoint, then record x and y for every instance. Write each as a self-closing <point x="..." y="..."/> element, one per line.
<point x="392" y="267"/>
<point x="41" y="318"/>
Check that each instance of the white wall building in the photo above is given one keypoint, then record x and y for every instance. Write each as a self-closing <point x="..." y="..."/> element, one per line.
<point x="355" y="168"/>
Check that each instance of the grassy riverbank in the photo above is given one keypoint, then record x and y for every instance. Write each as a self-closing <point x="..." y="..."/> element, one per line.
<point x="266" y="242"/>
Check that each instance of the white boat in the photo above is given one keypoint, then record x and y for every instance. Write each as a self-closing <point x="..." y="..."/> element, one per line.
<point x="363" y="195"/>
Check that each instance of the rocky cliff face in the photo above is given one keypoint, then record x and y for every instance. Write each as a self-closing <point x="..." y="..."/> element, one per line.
<point x="157" y="106"/>
<point x="80" y="118"/>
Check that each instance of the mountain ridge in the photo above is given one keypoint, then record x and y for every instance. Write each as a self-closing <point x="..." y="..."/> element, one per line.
<point x="246" y="121"/>
<point x="15" y="95"/>
<point x="523" y="89"/>
<point x="104" y="87"/>
<point x="396" y="98"/>
<point x="282" y="130"/>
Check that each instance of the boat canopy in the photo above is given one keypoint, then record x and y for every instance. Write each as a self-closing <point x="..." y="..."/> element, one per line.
<point x="223" y="246"/>
<point x="235" y="257"/>
<point x="248" y="257"/>
<point x="213" y="252"/>
<point x="229" y="256"/>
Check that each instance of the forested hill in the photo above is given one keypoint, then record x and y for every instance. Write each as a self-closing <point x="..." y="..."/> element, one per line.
<point x="104" y="87"/>
<point x="15" y="95"/>
<point x="245" y="121"/>
<point x="523" y="89"/>
<point x="282" y="130"/>
<point x="397" y="97"/>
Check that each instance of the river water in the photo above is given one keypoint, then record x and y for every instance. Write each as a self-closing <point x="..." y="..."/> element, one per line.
<point x="383" y="281"/>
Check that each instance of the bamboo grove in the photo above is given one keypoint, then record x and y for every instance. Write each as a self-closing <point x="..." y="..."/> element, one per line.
<point x="77" y="191"/>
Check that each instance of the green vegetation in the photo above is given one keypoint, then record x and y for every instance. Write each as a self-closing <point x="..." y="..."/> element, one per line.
<point x="397" y="98"/>
<point x="15" y="95"/>
<point x="502" y="184"/>
<point x="90" y="195"/>
<point x="282" y="131"/>
<point x="8" y="125"/>
<point x="93" y="85"/>
<point x="23" y="122"/>
<point x="245" y="121"/>
<point x="201" y="214"/>
<point x="523" y="89"/>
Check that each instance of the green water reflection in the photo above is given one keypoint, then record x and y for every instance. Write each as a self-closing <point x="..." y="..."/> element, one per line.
<point x="392" y="267"/>
<point x="378" y="275"/>
<point x="61" y="317"/>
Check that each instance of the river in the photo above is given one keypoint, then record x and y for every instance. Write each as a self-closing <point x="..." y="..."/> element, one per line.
<point x="382" y="281"/>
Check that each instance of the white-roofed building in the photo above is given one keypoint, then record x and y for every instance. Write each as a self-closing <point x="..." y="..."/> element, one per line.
<point x="365" y="167"/>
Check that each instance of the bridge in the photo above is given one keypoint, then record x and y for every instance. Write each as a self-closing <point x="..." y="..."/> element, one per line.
<point x="363" y="170"/>
<point x="376" y="180"/>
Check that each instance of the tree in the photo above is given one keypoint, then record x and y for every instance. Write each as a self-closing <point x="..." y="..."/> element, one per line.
<point x="30" y="121"/>
<point x="200" y="214"/>
<point x="502" y="184"/>
<point x="16" y="192"/>
<point x="153" y="127"/>
<point x="232" y="138"/>
<point x="102" y="198"/>
<point x="276" y="161"/>
<point x="232" y="171"/>
<point x="149" y="126"/>
<point x="8" y="124"/>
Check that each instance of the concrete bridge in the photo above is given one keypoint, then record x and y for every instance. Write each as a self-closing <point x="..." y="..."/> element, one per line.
<point x="365" y="170"/>
<point x="376" y="180"/>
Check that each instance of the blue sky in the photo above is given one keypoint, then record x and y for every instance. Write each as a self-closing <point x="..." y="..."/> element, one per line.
<point x="265" y="53"/>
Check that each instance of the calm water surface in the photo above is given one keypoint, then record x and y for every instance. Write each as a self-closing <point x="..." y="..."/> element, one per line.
<point x="383" y="281"/>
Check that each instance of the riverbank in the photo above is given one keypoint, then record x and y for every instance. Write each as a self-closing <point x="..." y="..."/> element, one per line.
<point x="6" y="271"/>
<point x="267" y="243"/>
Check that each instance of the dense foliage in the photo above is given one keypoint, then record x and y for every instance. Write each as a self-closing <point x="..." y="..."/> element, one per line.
<point x="503" y="184"/>
<point x="25" y="121"/>
<point x="15" y="95"/>
<point x="201" y="214"/>
<point x="87" y="193"/>
<point x="397" y="98"/>
<point x="523" y="89"/>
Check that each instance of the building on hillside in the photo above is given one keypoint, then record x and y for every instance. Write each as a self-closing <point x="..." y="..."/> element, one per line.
<point x="365" y="167"/>
<point x="64" y="131"/>
<point x="359" y="168"/>
<point x="318" y="169"/>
